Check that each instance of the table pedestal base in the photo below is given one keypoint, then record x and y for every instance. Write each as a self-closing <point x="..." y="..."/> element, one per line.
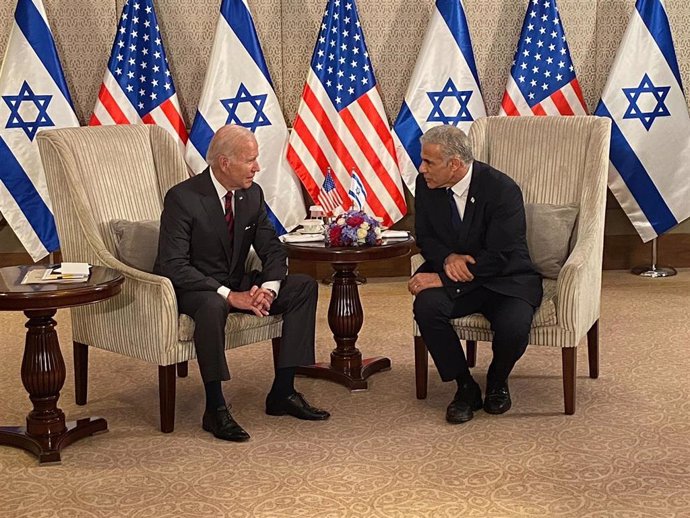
<point x="47" y="448"/>
<point x="354" y="379"/>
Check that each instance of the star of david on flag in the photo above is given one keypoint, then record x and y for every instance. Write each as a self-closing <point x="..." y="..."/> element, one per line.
<point x="341" y="122"/>
<point x="444" y="87"/>
<point x="238" y="90"/>
<point x="33" y="96"/>
<point x="357" y="192"/>
<point x="542" y="80"/>
<point x="137" y="87"/>
<point x="650" y="136"/>
<point x="245" y="118"/>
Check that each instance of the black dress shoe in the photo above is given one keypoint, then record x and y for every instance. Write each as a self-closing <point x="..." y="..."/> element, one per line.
<point x="497" y="399"/>
<point x="221" y="424"/>
<point x="296" y="406"/>
<point x="467" y="399"/>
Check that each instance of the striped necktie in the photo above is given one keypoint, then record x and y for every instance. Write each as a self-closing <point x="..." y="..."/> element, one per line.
<point x="229" y="216"/>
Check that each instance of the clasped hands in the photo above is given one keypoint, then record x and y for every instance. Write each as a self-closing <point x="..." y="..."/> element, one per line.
<point x="257" y="300"/>
<point x="454" y="266"/>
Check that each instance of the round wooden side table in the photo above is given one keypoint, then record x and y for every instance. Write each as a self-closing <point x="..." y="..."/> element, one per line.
<point x="43" y="368"/>
<point x="345" y="313"/>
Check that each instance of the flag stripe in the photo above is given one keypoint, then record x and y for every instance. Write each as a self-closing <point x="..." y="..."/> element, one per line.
<point x="201" y="134"/>
<point x="636" y="178"/>
<point x="240" y="21"/>
<point x="654" y="17"/>
<point x="34" y="28"/>
<point x="298" y="164"/>
<point x="508" y="106"/>
<point x="316" y="152"/>
<point x="111" y="107"/>
<point x="382" y="165"/>
<point x="561" y="103"/>
<point x="175" y="119"/>
<point x="453" y="13"/>
<point x="408" y="132"/>
<point x="537" y="109"/>
<point x="27" y="198"/>
<point x="375" y="115"/>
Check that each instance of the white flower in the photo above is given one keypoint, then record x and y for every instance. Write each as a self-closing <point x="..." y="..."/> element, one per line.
<point x="364" y="225"/>
<point x="340" y="221"/>
<point x="361" y="233"/>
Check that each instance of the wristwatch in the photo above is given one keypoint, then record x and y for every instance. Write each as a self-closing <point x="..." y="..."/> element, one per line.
<point x="275" y="295"/>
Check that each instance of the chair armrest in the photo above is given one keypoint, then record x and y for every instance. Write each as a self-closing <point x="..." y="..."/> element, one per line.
<point x="141" y="321"/>
<point x="416" y="261"/>
<point x="579" y="286"/>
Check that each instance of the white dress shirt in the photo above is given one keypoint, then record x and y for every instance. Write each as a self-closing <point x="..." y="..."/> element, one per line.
<point x="460" y="191"/>
<point x="221" y="191"/>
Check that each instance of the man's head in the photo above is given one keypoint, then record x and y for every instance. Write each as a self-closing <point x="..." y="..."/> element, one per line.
<point x="446" y="156"/>
<point x="232" y="155"/>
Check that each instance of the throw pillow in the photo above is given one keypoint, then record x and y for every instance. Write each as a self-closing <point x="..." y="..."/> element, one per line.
<point x="136" y="242"/>
<point x="549" y="228"/>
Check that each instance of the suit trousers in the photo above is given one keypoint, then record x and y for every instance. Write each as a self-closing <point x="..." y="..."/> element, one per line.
<point x="510" y="319"/>
<point x="296" y="301"/>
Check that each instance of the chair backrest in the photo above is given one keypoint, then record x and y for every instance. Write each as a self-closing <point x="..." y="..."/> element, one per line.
<point x="553" y="159"/>
<point x="97" y="174"/>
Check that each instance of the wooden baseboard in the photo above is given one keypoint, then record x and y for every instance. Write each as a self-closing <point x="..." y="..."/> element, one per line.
<point x="623" y="252"/>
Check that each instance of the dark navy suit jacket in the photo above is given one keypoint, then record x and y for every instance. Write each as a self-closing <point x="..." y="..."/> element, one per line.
<point x="493" y="232"/>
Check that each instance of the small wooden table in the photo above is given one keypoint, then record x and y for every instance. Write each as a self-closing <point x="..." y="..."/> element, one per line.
<point x="345" y="314"/>
<point x="43" y="368"/>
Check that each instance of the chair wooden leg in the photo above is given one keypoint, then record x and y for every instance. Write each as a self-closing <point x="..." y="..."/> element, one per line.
<point x="593" y="350"/>
<point x="421" y="367"/>
<point x="81" y="371"/>
<point x="166" y="392"/>
<point x="275" y="342"/>
<point x="182" y="369"/>
<point x="471" y="347"/>
<point x="569" y="359"/>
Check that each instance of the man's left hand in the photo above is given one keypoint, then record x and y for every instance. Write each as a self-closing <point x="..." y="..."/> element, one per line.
<point x="262" y="298"/>
<point x="422" y="281"/>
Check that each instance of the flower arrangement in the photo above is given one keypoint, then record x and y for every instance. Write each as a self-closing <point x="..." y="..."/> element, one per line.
<point x="353" y="228"/>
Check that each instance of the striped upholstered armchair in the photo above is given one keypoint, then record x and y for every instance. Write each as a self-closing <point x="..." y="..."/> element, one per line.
<point x="561" y="164"/>
<point x="96" y="176"/>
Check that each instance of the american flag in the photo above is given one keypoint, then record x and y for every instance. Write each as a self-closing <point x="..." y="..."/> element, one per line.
<point x="138" y="87"/>
<point x="542" y="79"/>
<point x="341" y="122"/>
<point x="328" y="197"/>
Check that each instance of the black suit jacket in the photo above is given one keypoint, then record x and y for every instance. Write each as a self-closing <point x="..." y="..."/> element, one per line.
<point x="194" y="249"/>
<point x="492" y="231"/>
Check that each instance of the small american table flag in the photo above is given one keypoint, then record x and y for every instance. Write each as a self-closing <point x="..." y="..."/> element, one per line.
<point x="542" y="79"/>
<point x="329" y="198"/>
<point x="137" y="87"/>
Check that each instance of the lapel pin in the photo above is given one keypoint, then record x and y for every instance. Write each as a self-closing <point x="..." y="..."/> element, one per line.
<point x="472" y="199"/>
<point x="240" y="198"/>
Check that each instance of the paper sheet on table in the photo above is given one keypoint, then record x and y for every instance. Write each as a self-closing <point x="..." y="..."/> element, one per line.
<point x="301" y="238"/>
<point x="395" y="234"/>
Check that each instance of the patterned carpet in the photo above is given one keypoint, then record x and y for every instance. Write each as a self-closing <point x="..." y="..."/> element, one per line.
<point x="626" y="452"/>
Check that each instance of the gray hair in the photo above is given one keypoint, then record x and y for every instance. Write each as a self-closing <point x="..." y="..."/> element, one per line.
<point x="453" y="141"/>
<point x="226" y="141"/>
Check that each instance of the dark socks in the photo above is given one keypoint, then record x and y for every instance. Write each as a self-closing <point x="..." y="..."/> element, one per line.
<point x="464" y="379"/>
<point x="283" y="384"/>
<point x="214" y="395"/>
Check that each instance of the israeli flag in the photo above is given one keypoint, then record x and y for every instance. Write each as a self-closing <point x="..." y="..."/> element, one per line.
<point x="357" y="192"/>
<point x="33" y="96"/>
<point x="650" y="138"/>
<point x="444" y="88"/>
<point x="238" y="90"/>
